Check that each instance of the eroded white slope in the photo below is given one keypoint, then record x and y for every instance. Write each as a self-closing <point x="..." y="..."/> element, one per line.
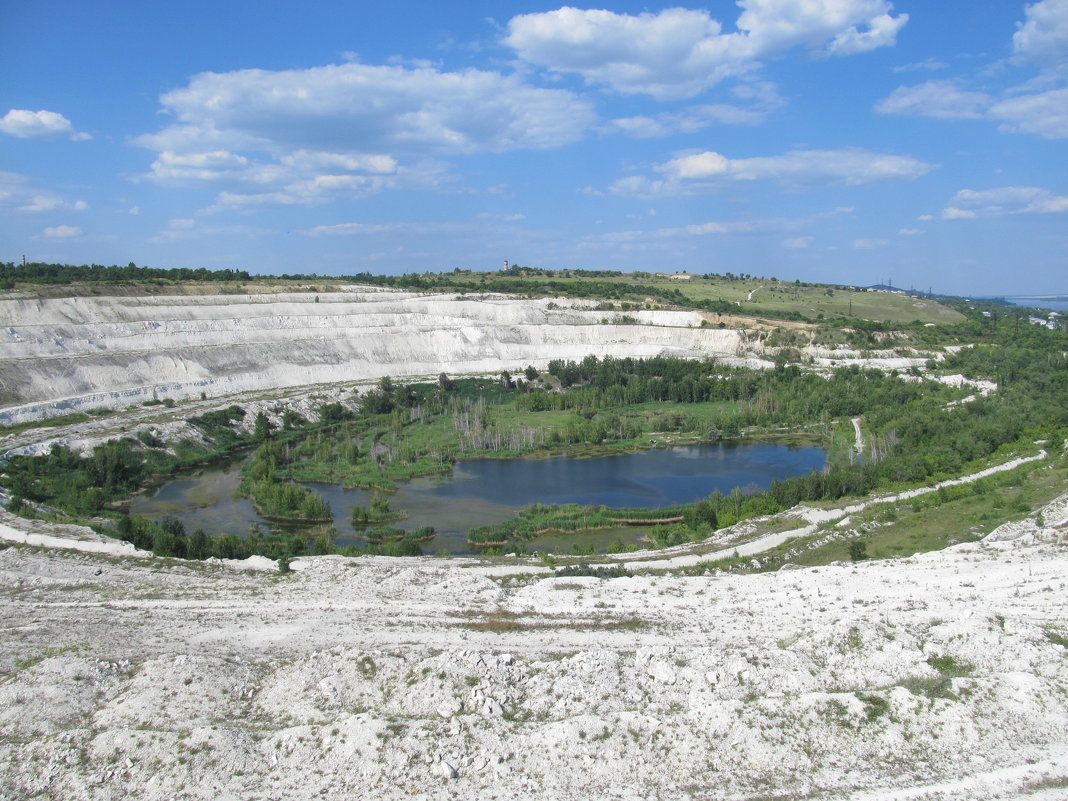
<point x="65" y="354"/>
<point x="939" y="676"/>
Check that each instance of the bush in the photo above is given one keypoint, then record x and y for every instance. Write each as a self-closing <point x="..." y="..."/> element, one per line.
<point x="601" y="571"/>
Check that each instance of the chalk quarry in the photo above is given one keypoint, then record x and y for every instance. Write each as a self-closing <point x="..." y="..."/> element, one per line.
<point x="939" y="676"/>
<point x="60" y="355"/>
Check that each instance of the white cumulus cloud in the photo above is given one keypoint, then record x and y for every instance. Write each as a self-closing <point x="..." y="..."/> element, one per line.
<point x="352" y="229"/>
<point x="708" y="171"/>
<point x="1042" y="39"/>
<point x="931" y="64"/>
<point x="1044" y="114"/>
<point x="679" y="53"/>
<point x="969" y="203"/>
<point x="940" y="99"/>
<point x="38" y="124"/>
<point x="1041" y="113"/>
<point x="62" y="232"/>
<point x="307" y="136"/>
<point x="360" y="109"/>
<point x="689" y="120"/>
<point x="953" y="213"/>
<point x="17" y="193"/>
<point x="1043" y="36"/>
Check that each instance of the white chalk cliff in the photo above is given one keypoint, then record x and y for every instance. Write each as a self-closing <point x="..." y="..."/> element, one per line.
<point x="66" y="354"/>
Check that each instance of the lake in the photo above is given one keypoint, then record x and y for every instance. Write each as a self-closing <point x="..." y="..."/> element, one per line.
<point x="485" y="491"/>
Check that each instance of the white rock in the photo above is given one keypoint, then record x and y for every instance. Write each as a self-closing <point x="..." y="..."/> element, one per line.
<point x="662" y="672"/>
<point x="444" y="770"/>
<point x="450" y="708"/>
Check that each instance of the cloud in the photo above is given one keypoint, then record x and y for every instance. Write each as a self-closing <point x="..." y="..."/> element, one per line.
<point x="870" y="244"/>
<point x="183" y="229"/>
<point x="970" y="203"/>
<point x="689" y="120"/>
<point x="703" y="229"/>
<point x="38" y="125"/>
<point x="352" y="229"/>
<point x="910" y="231"/>
<point x="309" y="136"/>
<point x="927" y="64"/>
<point x="359" y="109"/>
<point x="44" y="201"/>
<point x="174" y="167"/>
<point x="407" y="228"/>
<point x="1043" y="36"/>
<point x="516" y="217"/>
<point x="679" y="53"/>
<point x="18" y="194"/>
<point x="757" y="226"/>
<point x="709" y="171"/>
<point x="1044" y="114"/>
<point x="287" y="186"/>
<point x="944" y="100"/>
<point x="674" y="54"/>
<point x="951" y="213"/>
<point x="62" y="232"/>
<point x="1042" y="39"/>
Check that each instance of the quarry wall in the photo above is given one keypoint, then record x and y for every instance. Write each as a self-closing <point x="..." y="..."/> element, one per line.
<point x="60" y="355"/>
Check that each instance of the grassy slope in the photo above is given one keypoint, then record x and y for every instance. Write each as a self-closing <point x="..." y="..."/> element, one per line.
<point x="771" y="295"/>
<point x="926" y="524"/>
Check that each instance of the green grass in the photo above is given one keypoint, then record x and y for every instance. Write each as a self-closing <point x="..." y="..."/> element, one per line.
<point x="55" y="422"/>
<point x="774" y="297"/>
<point x="923" y="524"/>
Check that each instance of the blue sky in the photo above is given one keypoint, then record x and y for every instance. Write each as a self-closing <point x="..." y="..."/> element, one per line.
<point x="848" y="141"/>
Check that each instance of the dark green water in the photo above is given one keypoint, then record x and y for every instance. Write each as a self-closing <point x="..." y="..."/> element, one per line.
<point x="483" y="491"/>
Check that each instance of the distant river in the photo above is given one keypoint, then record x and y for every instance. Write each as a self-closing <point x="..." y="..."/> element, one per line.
<point x="1060" y="304"/>
<point x="483" y="491"/>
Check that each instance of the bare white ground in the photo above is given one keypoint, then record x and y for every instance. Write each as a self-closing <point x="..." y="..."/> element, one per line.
<point x="940" y="676"/>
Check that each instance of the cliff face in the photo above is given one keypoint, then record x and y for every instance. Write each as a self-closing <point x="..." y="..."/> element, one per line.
<point x="65" y="354"/>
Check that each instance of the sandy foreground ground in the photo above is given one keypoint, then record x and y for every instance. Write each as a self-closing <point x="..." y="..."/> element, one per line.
<point x="939" y="676"/>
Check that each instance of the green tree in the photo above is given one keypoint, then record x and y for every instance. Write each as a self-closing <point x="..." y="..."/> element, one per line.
<point x="262" y="430"/>
<point x="199" y="545"/>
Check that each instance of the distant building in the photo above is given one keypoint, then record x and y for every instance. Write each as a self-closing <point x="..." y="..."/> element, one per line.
<point x="1050" y="324"/>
